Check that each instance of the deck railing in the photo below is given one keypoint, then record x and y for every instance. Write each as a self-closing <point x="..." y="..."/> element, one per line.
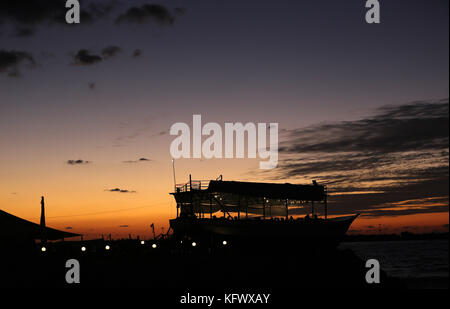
<point x="192" y="185"/>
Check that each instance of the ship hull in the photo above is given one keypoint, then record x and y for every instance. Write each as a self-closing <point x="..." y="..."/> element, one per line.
<point x="328" y="231"/>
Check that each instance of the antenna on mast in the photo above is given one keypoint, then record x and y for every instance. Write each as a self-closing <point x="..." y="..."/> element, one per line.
<point x="174" y="178"/>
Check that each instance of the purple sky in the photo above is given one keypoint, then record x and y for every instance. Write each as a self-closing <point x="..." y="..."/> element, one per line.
<point x="298" y="63"/>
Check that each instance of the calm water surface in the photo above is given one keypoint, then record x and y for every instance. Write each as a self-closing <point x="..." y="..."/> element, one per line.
<point x="406" y="259"/>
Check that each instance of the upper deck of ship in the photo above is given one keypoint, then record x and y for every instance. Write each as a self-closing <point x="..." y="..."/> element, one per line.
<point x="274" y="199"/>
<point x="301" y="192"/>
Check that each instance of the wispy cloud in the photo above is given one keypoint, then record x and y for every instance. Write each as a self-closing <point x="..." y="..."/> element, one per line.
<point x="120" y="190"/>
<point x="137" y="161"/>
<point x="85" y="57"/>
<point x="48" y="12"/>
<point x="400" y="153"/>
<point x="136" y="53"/>
<point x="147" y="13"/>
<point x="11" y="60"/>
<point x="77" y="162"/>
<point x="111" y="51"/>
<point x="136" y="132"/>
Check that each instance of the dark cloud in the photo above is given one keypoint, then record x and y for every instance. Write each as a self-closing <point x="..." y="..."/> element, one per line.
<point x="403" y="212"/>
<point x="123" y="225"/>
<point x="77" y="162"/>
<point x="91" y="86"/>
<point x="426" y="196"/>
<point x="10" y="61"/>
<point x="136" y="53"/>
<point x="120" y="190"/>
<point x="84" y="57"/>
<point x="31" y="13"/>
<point x="136" y="161"/>
<point x="180" y="11"/>
<point x="416" y="132"/>
<point x="111" y="51"/>
<point x="148" y="12"/>
<point x="412" y="127"/>
<point x="26" y="16"/>
<point x="399" y="154"/>
<point x="24" y="32"/>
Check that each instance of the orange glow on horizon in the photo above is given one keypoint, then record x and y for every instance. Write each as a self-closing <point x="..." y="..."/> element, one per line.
<point x="78" y="198"/>
<point x="415" y="223"/>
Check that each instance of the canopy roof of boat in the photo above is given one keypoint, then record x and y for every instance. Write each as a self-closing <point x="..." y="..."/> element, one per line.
<point x="289" y="191"/>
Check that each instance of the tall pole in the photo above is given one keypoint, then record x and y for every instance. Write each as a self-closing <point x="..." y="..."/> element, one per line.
<point x="43" y="228"/>
<point x="42" y="212"/>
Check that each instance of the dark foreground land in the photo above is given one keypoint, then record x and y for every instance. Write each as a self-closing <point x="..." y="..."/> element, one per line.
<point x="129" y="263"/>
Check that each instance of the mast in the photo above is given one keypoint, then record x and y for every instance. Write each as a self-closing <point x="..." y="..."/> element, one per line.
<point x="43" y="229"/>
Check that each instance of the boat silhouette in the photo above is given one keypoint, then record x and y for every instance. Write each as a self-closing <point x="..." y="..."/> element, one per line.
<point x="254" y="212"/>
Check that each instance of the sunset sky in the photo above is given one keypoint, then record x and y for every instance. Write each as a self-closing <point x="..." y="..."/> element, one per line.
<point x="86" y="109"/>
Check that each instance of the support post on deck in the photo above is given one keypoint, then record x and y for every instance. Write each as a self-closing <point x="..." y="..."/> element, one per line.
<point x="264" y="208"/>
<point x="191" y="206"/>
<point x="223" y="210"/>
<point x="239" y="206"/>
<point x="246" y="208"/>
<point x="210" y="206"/>
<point x="287" y="210"/>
